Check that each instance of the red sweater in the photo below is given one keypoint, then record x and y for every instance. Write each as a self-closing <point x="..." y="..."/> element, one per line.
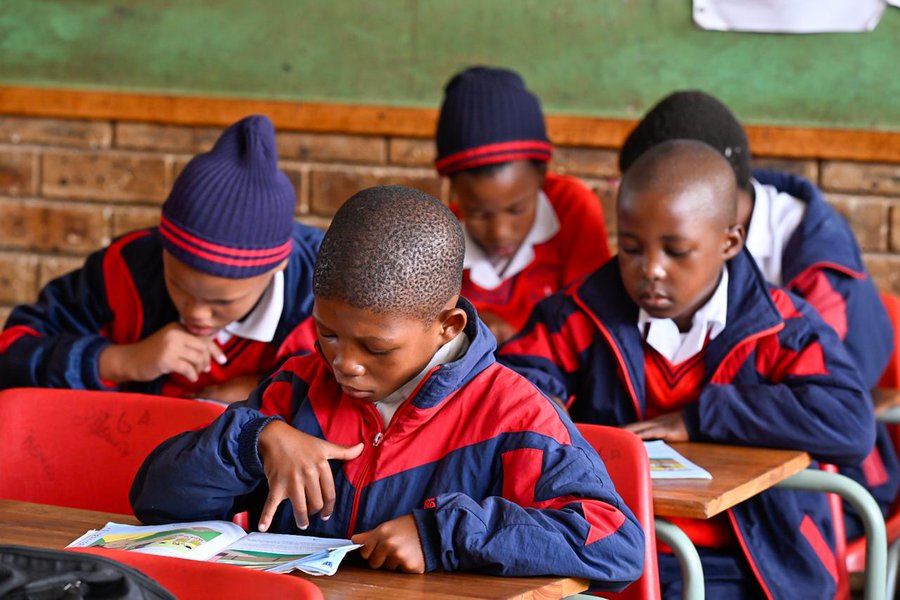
<point x="578" y="248"/>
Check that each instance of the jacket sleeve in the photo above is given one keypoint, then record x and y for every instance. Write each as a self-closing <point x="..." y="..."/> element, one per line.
<point x="56" y="341"/>
<point x="806" y="394"/>
<point x="202" y="474"/>
<point x="558" y="514"/>
<point x="852" y="307"/>
<point x="551" y="349"/>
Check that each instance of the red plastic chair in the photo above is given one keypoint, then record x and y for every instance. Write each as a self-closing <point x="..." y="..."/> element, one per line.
<point x="627" y="463"/>
<point x="197" y="579"/>
<point x="82" y="448"/>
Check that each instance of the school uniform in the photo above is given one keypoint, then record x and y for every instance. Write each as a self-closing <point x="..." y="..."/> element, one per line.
<point x="495" y="475"/>
<point x="798" y="240"/>
<point x="774" y="375"/>
<point x="567" y="241"/>
<point x="119" y="297"/>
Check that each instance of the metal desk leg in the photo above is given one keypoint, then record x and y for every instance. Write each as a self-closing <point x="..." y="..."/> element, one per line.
<point x="865" y="505"/>
<point x="688" y="559"/>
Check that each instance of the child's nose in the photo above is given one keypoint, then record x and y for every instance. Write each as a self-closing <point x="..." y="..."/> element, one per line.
<point x="194" y="310"/>
<point x="346" y="364"/>
<point x="654" y="267"/>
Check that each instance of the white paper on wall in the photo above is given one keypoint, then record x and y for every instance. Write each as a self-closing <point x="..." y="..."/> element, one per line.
<point x="789" y="16"/>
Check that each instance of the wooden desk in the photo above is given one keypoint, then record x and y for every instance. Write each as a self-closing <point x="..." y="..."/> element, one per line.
<point x="738" y="473"/>
<point x="55" y="526"/>
<point x="887" y="404"/>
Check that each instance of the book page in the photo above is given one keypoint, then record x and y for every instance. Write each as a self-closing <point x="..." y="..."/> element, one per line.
<point x="196" y="541"/>
<point x="282" y="552"/>
<point x="667" y="463"/>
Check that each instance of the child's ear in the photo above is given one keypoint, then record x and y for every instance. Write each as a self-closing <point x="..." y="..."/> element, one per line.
<point x="452" y="322"/>
<point x="734" y="241"/>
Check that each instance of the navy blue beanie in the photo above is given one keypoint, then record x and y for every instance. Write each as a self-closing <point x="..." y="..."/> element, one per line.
<point x="488" y="116"/>
<point x="231" y="211"/>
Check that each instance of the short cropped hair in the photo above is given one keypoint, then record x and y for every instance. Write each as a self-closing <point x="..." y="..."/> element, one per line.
<point x="392" y="249"/>
<point x="691" y="115"/>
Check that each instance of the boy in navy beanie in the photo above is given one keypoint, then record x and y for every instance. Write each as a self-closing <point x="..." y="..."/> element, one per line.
<point x="203" y="305"/>
<point x="528" y="232"/>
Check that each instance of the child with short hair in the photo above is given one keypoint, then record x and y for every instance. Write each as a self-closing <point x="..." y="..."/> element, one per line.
<point x="680" y="338"/>
<point x="528" y="232"/>
<point x="799" y="241"/>
<point x="444" y="459"/>
<point x="203" y="305"/>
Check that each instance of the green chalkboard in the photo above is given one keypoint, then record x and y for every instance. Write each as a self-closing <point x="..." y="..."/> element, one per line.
<point x="596" y="57"/>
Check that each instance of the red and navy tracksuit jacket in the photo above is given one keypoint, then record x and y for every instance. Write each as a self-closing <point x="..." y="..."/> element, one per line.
<point x="496" y="476"/>
<point x="777" y="376"/>
<point x="119" y="297"/>
<point x="578" y="248"/>
<point x="823" y="264"/>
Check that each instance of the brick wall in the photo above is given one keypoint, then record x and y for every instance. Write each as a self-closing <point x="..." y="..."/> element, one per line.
<point x="69" y="186"/>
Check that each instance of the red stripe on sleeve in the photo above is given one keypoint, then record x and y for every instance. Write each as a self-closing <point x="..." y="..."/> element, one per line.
<point x="603" y="518"/>
<point x="521" y="469"/>
<point x="13" y="333"/>
<point x="873" y="469"/>
<point x="819" y="545"/>
<point x="815" y="288"/>
<point x="562" y="348"/>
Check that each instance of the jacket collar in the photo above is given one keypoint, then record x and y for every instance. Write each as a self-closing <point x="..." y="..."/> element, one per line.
<point x="821" y="238"/>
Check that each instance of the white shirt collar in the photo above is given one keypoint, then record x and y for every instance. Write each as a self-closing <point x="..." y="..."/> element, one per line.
<point x="446" y="353"/>
<point x="775" y="217"/>
<point x="487" y="275"/>
<point x="261" y="323"/>
<point x="664" y="337"/>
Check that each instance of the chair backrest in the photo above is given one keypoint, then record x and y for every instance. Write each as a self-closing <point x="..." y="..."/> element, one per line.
<point x="198" y="579"/>
<point x="82" y="448"/>
<point x="627" y="463"/>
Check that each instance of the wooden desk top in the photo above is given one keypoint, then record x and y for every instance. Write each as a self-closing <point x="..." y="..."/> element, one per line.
<point x="738" y="473"/>
<point x="887" y="403"/>
<point x="55" y="526"/>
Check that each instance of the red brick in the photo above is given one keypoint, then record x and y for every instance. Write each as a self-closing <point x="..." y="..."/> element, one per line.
<point x="125" y="219"/>
<point x="316" y="147"/>
<point x="861" y="177"/>
<point x="299" y="176"/>
<point x="895" y="227"/>
<point x="885" y="270"/>
<point x="331" y="188"/>
<point x="54" y="227"/>
<point x="166" y="138"/>
<point x="412" y="152"/>
<point x="804" y="168"/>
<point x="51" y="267"/>
<point x="592" y="162"/>
<point x="55" y="132"/>
<point x="104" y="176"/>
<point x="18" y="172"/>
<point x="4" y="314"/>
<point x="867" y="216"/>
<point x="18" y="278"/>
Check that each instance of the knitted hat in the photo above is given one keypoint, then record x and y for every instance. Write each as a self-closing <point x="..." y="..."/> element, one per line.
<point x="691" y="115"/>
<point x="231" y="211"/>
<point x="489" y="117"/>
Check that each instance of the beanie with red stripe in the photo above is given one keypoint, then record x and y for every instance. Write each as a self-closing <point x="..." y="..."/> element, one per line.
<point x="488" y="116"/>
<point x="230" y="212"/>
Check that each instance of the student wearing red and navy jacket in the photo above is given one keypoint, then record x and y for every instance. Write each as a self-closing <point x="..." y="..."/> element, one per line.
<point x="204" y="305"/>
<point x="680" y="338"/>
<point x="799" y="241"/>
<point x="440" y="457"/>
<point x="528" y="232"/>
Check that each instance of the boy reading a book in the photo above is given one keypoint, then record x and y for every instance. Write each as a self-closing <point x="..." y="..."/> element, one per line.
<point x="204" y="305"/>
<point x="439" y="457"/>
<point x="680" y="338"/>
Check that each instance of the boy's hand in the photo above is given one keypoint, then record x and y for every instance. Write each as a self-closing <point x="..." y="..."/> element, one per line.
<point x="393" y="545"/>
<point x="233" y="390"/>
<point x="170" y="350"/>
<point x="500" y="328"/>
<point x="669" y="427"/>
<point x="296" y="466"/>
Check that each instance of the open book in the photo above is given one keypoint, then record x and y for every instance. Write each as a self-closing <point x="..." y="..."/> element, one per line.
<point x="224" y="542"/>
<point x="667" y="463"/>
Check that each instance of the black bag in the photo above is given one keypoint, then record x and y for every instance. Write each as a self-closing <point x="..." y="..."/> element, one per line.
<point x="40" y="574"/>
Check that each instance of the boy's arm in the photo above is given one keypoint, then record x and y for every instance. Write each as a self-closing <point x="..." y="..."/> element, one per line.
<point x="559" y="514"/>
<point x="56" y="341"/>
<point x="550" y="349"/>
<point x="808" y="396"/>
